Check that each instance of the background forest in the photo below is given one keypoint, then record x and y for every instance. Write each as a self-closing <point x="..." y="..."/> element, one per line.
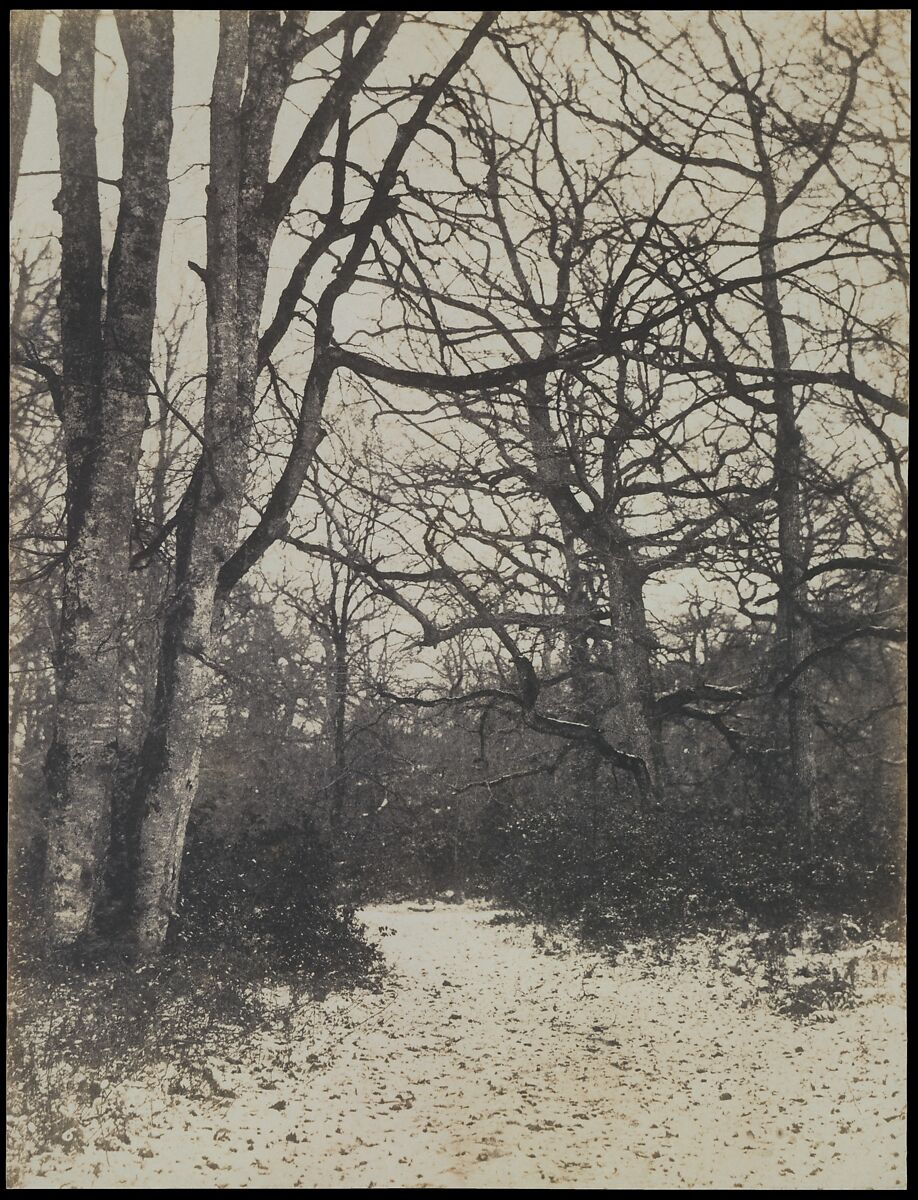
<point x="456" y="452"/>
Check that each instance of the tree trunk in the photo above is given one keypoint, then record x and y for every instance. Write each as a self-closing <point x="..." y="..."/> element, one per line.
<point x="81" y="751"/>
<point x="583" y="688"/>
<point x="338" y="789"/>
<point x="172" y="753"/>
<point x="244" y="212"/>
<point x="138" y="675"/>
<point x="16" y="695"/>
<point x="634" y="721"/>
<point x="793" y="633"/>
<point x="105" y="384"/>
<point x="25" y="35"/>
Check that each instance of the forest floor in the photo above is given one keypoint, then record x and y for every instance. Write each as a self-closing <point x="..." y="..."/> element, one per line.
<point x="497" y="1055"/>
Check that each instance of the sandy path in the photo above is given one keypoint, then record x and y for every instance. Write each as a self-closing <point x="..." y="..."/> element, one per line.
<point x="486" y="1063"/>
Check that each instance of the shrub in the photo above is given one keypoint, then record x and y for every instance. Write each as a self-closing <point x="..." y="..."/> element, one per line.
<point x="674" y="873"/>
<point x="272" y="893"/>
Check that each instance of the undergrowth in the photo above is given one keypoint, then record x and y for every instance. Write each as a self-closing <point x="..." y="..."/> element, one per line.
<point x="253" y="919"/>
<point x="657" y="881"/>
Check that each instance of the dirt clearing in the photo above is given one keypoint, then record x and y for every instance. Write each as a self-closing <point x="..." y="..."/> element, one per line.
<point x="491" y="1061"/>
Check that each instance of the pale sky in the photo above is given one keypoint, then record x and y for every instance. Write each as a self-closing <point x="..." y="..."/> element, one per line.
<point x="416" y="49"/>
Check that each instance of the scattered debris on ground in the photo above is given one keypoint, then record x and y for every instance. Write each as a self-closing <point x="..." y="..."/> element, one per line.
<point x="497" y="1055"/>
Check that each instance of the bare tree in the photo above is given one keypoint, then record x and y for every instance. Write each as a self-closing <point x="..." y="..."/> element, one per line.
<point x="666" y="354"/>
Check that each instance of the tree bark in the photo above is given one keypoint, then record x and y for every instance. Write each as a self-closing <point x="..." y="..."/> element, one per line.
<point x="633" y="723"/>
<point x="337" y="711"/>
<point x="105" y="384"/>
<point x="138" y="674"/>
<point x="82" y="749"/>
<point x="634" y="719"/>
<point x="793" y="634"/>
<point x="172" y="752"/>
<point x="582" y="684"/>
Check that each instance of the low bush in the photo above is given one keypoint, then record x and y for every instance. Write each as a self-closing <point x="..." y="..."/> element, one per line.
<point x="253" y="916"/>
<point x="271" y="893"/>
<point x="673" y="874"/>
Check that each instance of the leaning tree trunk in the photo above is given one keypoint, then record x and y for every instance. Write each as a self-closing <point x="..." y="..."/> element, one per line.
<point x="244" y="212"/>
<point x="104" y="387"/>
<point x="172" y="754"/>
<point x="25" y="34"/>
